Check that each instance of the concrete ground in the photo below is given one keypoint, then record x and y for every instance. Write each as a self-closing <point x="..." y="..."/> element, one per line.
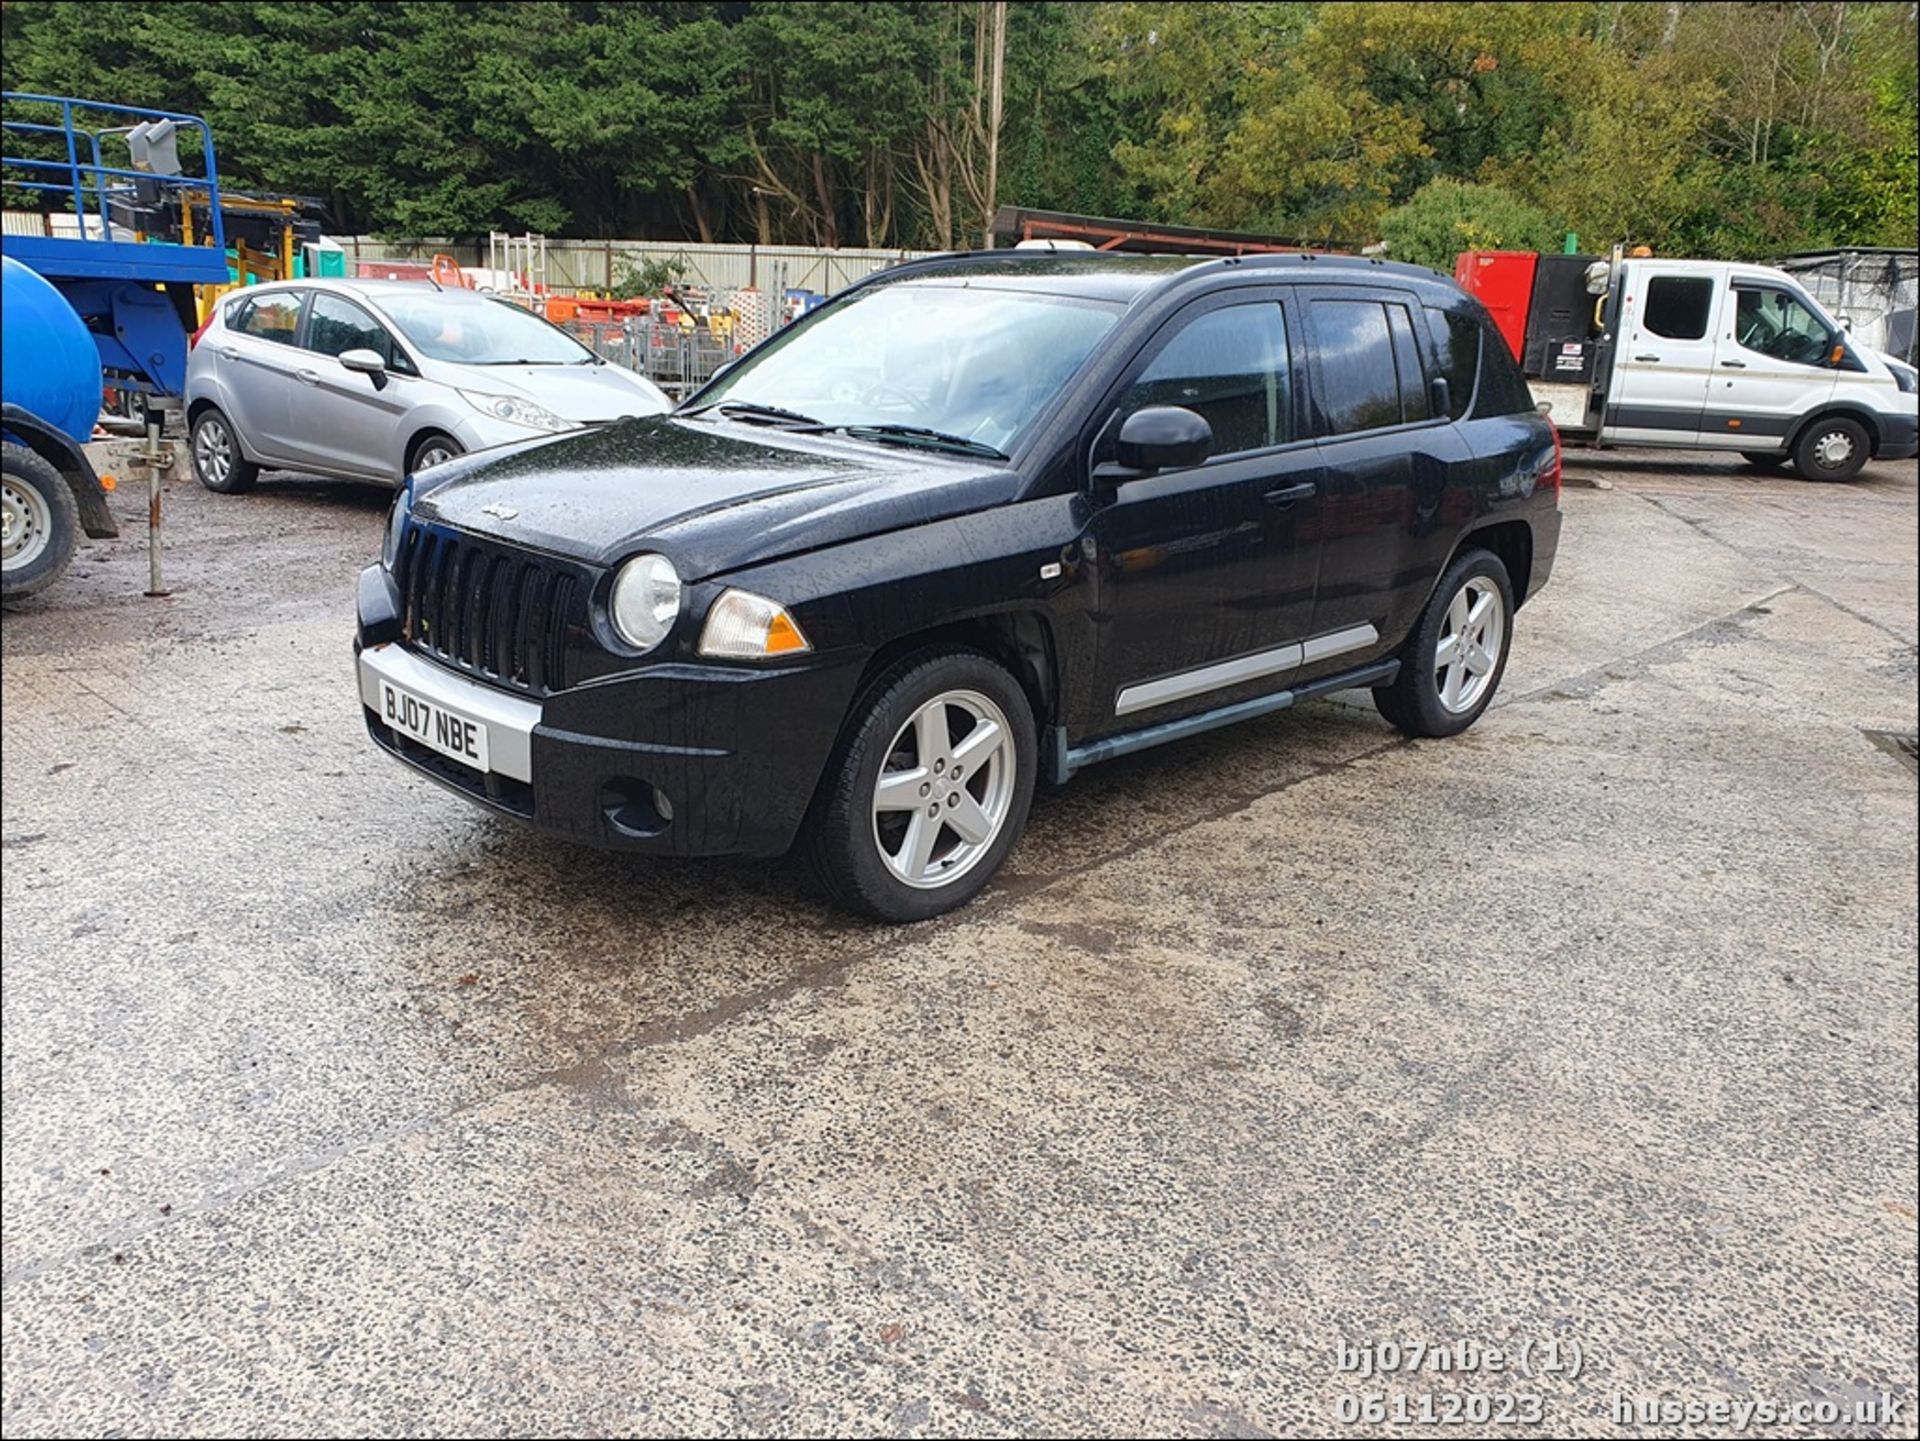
<point x="334" y="1106"/>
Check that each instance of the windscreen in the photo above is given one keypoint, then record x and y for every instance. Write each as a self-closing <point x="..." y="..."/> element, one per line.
<point x="470" y="330"/>
<point x="962" y="360"/>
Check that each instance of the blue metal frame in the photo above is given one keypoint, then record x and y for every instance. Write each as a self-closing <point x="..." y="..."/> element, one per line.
<point x="89" y="183"/>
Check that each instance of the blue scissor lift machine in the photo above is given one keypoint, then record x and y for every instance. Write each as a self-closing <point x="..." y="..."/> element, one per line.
<point x="119" y="253"/>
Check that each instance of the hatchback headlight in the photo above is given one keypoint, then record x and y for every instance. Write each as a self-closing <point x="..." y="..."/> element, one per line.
<point x="517" y="410"/>
<point x="645" y="600"/>
<point x="745" y="626"/>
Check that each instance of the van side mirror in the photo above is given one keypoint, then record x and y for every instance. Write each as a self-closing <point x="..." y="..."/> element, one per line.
<point x="1837" y="356"/>
<point x="1163" y="437"/>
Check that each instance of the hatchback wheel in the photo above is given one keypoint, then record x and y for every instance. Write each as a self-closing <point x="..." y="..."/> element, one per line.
<point x="1453" y="661"/>
<point x="1832" y="449"/>
<point x="929" y="790"/>
<point x="217" y="460"/>
<point x="432" y="450"/>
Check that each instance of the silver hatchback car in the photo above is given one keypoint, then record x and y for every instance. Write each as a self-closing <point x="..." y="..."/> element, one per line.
<point x="370" y="380"/>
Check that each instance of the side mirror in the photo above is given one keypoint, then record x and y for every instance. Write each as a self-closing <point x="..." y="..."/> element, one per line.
<point x="367" y="363"/>
<point x="1837" y="356"/>
<point x="1163" y="437"/>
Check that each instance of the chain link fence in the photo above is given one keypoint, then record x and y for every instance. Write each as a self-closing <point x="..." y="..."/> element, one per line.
<point x="1875" y="291"/>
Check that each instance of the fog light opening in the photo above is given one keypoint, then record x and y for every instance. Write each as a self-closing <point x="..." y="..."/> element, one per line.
<point x="635" y="807"/>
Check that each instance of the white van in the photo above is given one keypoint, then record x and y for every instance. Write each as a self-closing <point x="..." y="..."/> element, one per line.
<point x="1726" y="356"/>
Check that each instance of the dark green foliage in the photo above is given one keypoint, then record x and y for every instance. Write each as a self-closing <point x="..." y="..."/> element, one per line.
<point x="1731" y="129"/>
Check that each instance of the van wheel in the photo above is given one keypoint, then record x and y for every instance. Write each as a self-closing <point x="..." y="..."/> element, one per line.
<point x="1451" y="665"/>
<point x="1832" y="449"/>
<point x="217" y="460"/>
<point x="928" y="790"/>
<point x="39" y="522"/>
<point x="1774" y="462"/>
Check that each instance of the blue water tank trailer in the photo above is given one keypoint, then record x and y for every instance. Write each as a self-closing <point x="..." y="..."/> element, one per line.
<point x="50" y="385"/>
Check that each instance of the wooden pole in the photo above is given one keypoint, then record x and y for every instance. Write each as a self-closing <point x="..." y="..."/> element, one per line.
<point x="993" y="118"/>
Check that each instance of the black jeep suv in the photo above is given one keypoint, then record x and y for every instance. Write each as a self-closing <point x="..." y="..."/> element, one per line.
<point x="977" y="520"/>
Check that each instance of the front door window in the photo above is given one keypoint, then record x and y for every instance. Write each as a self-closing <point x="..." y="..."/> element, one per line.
<point x="1778" y="324"/>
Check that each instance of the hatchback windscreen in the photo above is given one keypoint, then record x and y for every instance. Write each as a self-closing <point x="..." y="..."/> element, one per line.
<point x="473" y="331"/>
<point x="935" y="360"/>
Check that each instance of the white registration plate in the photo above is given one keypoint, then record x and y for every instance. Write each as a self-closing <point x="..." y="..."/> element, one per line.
<point x="455" y="736"/>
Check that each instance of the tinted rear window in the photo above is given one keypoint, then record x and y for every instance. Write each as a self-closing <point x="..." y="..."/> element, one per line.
<point x="1359" y="386"/>
<point x="1414" y="401"/>
<point x="1456" y="339"/>
<point x="1503" y="389"/>
<point x="1677" y="306"/>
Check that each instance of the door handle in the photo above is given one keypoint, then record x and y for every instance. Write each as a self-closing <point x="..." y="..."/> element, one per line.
<point x="308" y="377"/>
<point x="1654" y="358"/>
<point x="1288" y="494"/>
<point x="229" y="352"/>
<point x="1734" y="364"/>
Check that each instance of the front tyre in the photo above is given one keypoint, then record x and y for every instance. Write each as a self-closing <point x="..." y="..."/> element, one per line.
<point x="1832" y="449"/>
<point x="929" y="789"/>
<point x="217" y="459"/>
<point x="433" y="448"/>
<point x="1451" y="665"/>
<point x="39" y="522"/>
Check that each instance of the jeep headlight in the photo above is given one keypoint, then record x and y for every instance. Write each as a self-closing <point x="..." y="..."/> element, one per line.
<point x="745" y="626"/>
<point x="517" y="410"/>
<point x="396" y="525"/>
<point x="645" y="600"/>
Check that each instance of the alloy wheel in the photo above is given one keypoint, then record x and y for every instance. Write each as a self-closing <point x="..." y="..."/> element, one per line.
<point x="1469" y="650"/>
<point x="213" y="451"/>
<point x="944" y="790"/>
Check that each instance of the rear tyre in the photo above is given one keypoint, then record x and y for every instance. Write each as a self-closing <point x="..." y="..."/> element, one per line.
<point x="217" y="458"/>
<point x="1451" y="665"/>
<point x="39" y="522"/>
<point x="1774" y="462"/>
<point x="928" y="789"/>
<point x="432" y="449"/>
<point x="1832" y="449"/>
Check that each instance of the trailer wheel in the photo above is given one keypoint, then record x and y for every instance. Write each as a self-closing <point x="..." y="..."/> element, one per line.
<point x="41" y="524"/>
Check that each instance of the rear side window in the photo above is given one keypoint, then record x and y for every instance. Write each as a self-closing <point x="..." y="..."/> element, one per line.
<point x="1359" y="384"/>
<point x="1677" y="306"/>
<point x="1456" y="339"/>
<point x="1414" y="401"/>
<point x="1230" y="366"/>
<point x="1503" y="389"/>
<point x="271" y="317"/>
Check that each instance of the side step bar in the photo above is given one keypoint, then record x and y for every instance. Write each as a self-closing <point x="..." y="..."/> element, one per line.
<point x="1063" y="760"/>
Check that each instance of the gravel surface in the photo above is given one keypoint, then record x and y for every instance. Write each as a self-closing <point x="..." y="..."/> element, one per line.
<point x="332" y="1105"/>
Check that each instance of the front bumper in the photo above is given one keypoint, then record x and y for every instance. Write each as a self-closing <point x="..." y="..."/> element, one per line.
<point x="1899" y="437"/>
<point x="671" y="758"/>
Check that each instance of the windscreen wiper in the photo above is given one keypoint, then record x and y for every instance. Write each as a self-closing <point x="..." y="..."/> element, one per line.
<point x="923" y="436"/>
<point x="752" y="410"/>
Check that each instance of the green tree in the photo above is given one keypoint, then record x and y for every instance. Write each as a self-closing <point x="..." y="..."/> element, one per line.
<point x="1444" y="217"/>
